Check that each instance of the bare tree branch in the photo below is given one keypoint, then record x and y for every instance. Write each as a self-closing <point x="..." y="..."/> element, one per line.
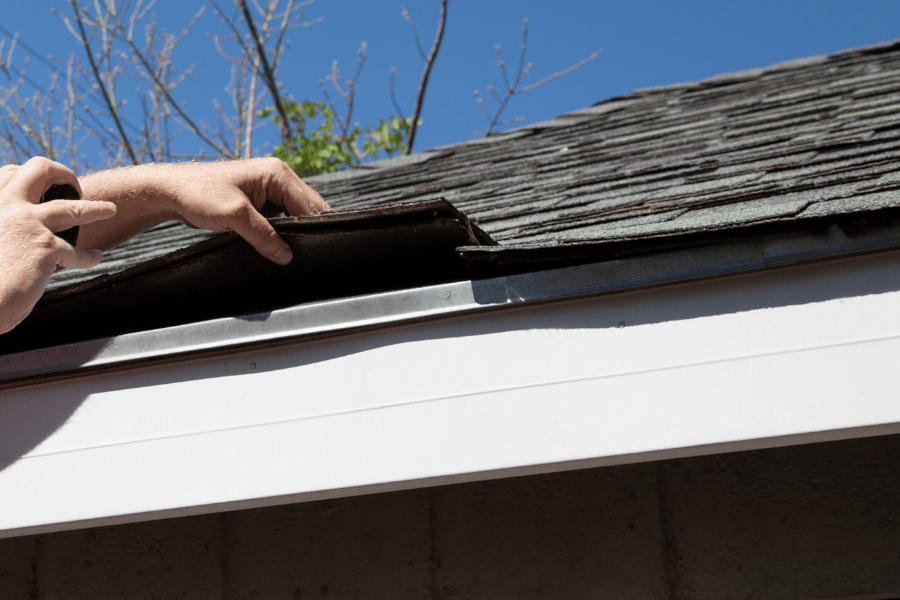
<point x="165" y="91"/>
<point x="521" y="72"/>
<point x="327" y="97"/>
<point x="559" y="74"/>
<point x="243" y="88"/>
<point x="244" y="75"/>
<point x="81" y="102"/>
<point x="348" y="95"/>
<point x="236" y="35"/>
<point x="494" y="94"/>
<point x="393" y="96"/>
<point x="502" y="64"/>
<point x="251" y="112"/>
<point x="8" y="69"/>
<point x="113" y="110"/>
<point x="268" y="76"/>
<point x="405" y="14"/>
<point x="480" y="102"/>
<point x="77" y="86"/>
<point x="426" y="73"/>
<point x="512" y="88"/>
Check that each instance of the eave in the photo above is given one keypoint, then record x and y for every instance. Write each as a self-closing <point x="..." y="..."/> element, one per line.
<point x="732" y="346"/>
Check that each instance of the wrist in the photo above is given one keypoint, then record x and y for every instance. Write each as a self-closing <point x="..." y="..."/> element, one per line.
<point x="143" y="192"/>
<point x="143" y="199"/>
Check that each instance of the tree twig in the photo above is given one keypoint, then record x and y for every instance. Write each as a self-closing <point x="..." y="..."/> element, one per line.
<point x="245" y="100"/>
<point x="558" y="74"/>
<point x="50" y="66"/>
<point x="284" y="125"/>
<point x="520" y="72"/>
<point x="393" y="96"/>
<point x="112" y="108"/>
<point x="251" y="105"/>
<point x="165" y="90"/>
<point x="426" y="73"/>
<point x="512" y="88"/>
<point x="502" y="64"/>
<point x="6" y="66"/>
<point x="285" y="21"/>
<point x="405" y="14"/>
<point x="348" y="96"/>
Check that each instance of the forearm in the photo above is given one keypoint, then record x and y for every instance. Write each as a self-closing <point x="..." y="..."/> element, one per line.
<point x="144" y="197"/>
<point x="218" y="196"/>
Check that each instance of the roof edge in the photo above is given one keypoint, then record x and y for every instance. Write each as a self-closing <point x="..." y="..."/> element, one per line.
<point x="753" y="73"/>
<point x="390" y="309"/>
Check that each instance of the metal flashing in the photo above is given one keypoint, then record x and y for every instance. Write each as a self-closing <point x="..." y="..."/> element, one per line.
<point x="334" y="317"/>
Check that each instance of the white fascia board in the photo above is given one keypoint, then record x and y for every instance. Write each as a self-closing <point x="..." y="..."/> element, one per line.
<point x="767" y="358"/>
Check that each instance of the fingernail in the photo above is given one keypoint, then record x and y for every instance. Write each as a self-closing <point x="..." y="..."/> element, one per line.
<point x="284" y="256"/>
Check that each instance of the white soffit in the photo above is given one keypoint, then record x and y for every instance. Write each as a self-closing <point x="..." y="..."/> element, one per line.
<point x="765" y="358"/>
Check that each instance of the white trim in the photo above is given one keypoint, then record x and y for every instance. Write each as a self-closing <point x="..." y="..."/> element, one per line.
<point x="769" y="358"/>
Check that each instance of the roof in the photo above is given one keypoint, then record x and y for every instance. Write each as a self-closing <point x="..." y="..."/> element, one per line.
<point x="793" y="141"/>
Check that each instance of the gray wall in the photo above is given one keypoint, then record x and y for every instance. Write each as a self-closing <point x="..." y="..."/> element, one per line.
<point x="816" y="521"/>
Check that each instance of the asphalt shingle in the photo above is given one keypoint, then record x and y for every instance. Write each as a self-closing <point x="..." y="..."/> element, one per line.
<point x="806" y="138"/>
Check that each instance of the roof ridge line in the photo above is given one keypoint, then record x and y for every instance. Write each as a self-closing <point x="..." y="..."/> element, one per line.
<point x="752" y="73"/>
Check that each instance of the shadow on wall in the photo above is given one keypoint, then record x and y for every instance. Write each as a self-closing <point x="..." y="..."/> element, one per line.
<point x="31" y="415"/>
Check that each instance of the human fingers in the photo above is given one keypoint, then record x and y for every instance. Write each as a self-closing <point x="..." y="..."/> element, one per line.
<point x="35" y="177"/>
<point x="60" y="215"/>
<point x="75" y="258"/>
<point x="309" y="198"/>
<point x="287" y="190"/>
<point x="260" y="234"/>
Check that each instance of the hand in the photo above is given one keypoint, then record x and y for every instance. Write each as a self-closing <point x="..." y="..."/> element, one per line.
<point x="231" y="196"/>
<point x="29" y="250"/>
<point x="219" y="196"/>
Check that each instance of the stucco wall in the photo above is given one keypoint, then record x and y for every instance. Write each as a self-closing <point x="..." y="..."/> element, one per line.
<point x="816" y="521"/>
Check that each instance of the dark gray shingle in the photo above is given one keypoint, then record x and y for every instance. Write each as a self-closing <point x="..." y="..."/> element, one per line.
<point x="818" y="136"/>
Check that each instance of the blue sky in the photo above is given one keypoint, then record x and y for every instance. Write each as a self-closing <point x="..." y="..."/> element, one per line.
<point x="644" y="42"/>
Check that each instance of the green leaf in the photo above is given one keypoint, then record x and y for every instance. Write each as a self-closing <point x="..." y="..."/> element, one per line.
<point x="319" y="148"/>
